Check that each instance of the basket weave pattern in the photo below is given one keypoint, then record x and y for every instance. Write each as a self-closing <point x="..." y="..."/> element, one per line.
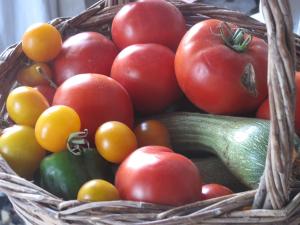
<point x="37" y="206"/>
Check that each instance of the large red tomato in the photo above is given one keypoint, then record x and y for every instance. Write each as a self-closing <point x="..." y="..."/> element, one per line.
<point x="97" y="99"/>
<point x="263" y="111"/>
<point x="149" y="21"/>
<point x="86" y="52"/>
<point x="158" y="175"/>
<point x="147" y="73"/>
<point x="217" y="78"/>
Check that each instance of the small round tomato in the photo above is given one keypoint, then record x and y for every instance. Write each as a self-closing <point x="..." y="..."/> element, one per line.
<point x="146" y="71"/>
<point x="97" y="190"/>
<point x="148" y="22"/>
<point x="18" y="146"/>
<point x="31" y="75"/>
<point x="86" y="52"/>
<point x="47" y="91"/>
<point x="54" y="126"/>
<point x="214" y="190"/>
<point x="25" y="104"/>
<point x="152" y="132"/>
<point x="41" y="42"/>
<point x="115" y="141"/>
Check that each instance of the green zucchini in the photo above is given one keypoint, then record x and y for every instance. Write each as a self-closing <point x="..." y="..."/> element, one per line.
<point x="241" y="143"/>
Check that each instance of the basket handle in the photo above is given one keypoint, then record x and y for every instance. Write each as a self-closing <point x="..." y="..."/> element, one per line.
<point x="274" y="188"/>
<point x="109" y="3"/>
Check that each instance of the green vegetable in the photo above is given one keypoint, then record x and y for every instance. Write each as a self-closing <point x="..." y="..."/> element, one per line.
<point x="64" y="173"/>
<point x="241" y="143"/>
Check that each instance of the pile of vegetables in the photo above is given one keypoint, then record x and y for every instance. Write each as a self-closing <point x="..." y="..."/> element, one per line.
<point x="98" y="119"/>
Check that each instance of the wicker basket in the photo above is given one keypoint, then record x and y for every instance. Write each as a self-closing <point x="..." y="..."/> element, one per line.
<point x="271" y="203"/>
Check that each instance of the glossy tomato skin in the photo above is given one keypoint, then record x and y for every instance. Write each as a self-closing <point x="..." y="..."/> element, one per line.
<point x="161" y="23"/>
<point x="41" y="42"/>
<point x="146" y="71"/>
<point x="214" y="190"/>
<point x="210" y="73"/>
<point x="152" y="132"/>
<point x="263" y="111"/>
<point x="158" y="175"/>
<point x="86" y="52"/>
<point x="97" y="99"/>
<point x="20" y="149"/>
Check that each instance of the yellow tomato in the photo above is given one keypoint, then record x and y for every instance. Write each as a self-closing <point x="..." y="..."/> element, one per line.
<point x="25" y="104"/>
<point x="54" y="126"/>
<point x="97" y="190"/>
<point x="115" y="141"/>
<point x="30" y="76"/>
<point x="41" y="42"/>
<point x="152" y="132"/>
<point x="20" y="149"/>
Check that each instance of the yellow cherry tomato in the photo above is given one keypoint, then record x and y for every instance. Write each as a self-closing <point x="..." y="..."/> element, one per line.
<point x="152" y="132"/>
<point x="41" y="42"/>
<point x="25" y="104"/>
<point x="30" y="76"/>
<point x="18" y="146"/>
<point x="115" y="141"/>
<point x="97" y="190"/>
<point x="54" y="126"/>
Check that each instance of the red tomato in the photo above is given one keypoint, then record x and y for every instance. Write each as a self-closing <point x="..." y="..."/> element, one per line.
<point x="147" y="73"/>
<point x="217" y="78"/>
<point x="47" y="91"/>
<point x="86" y="52"/>
<point x="214" y="190"/>
<point x="97" y="99"/>
<point x="158" y="175"/>
<point x="148" y="22"/>
<point x="263" y="111"/>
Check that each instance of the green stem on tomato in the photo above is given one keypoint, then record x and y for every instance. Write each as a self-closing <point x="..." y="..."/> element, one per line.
<point x="238" y="39"/>
<point x="77" y="142"/>
<point x="41" y="72"/>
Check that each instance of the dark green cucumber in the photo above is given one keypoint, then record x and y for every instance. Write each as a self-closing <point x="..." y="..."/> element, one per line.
<point x="241" y="143"/>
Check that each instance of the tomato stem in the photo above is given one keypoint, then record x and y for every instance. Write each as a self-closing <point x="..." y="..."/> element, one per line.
<point x="77" y="142"/>
<point x="238" y="39"/>
<point x="42" y="73"/>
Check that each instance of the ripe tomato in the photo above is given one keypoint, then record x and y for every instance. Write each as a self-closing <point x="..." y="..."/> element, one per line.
<point x="41" y="42"/>
<point x="158" y="175"/>
<point x="54" y="126"/>
<point x="161" y="23"/>
<point x="214" y="190"/>
<point x="115" y="141"/>
<point x="30" y="76"/>
<point x="97" y="99"/>
<point x="147" y="73"/>
<point x="47" y="91"/>
<point x="86" y="52"/>
<point x="217" y="78"/>
<point x="152" y="132"/>
<point x="18" y="146"/>
<point x="25" y="104"/>
<point x="97" y="190"/>
<point x="263" y="111"/>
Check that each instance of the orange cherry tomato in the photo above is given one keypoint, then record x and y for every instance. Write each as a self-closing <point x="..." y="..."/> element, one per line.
<point x="41" y="42"/>
<point x="115" y="141"/>
<point x="31" y="75"/>
<point x="97" y="190"/>
<point x="152" y="132"/>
